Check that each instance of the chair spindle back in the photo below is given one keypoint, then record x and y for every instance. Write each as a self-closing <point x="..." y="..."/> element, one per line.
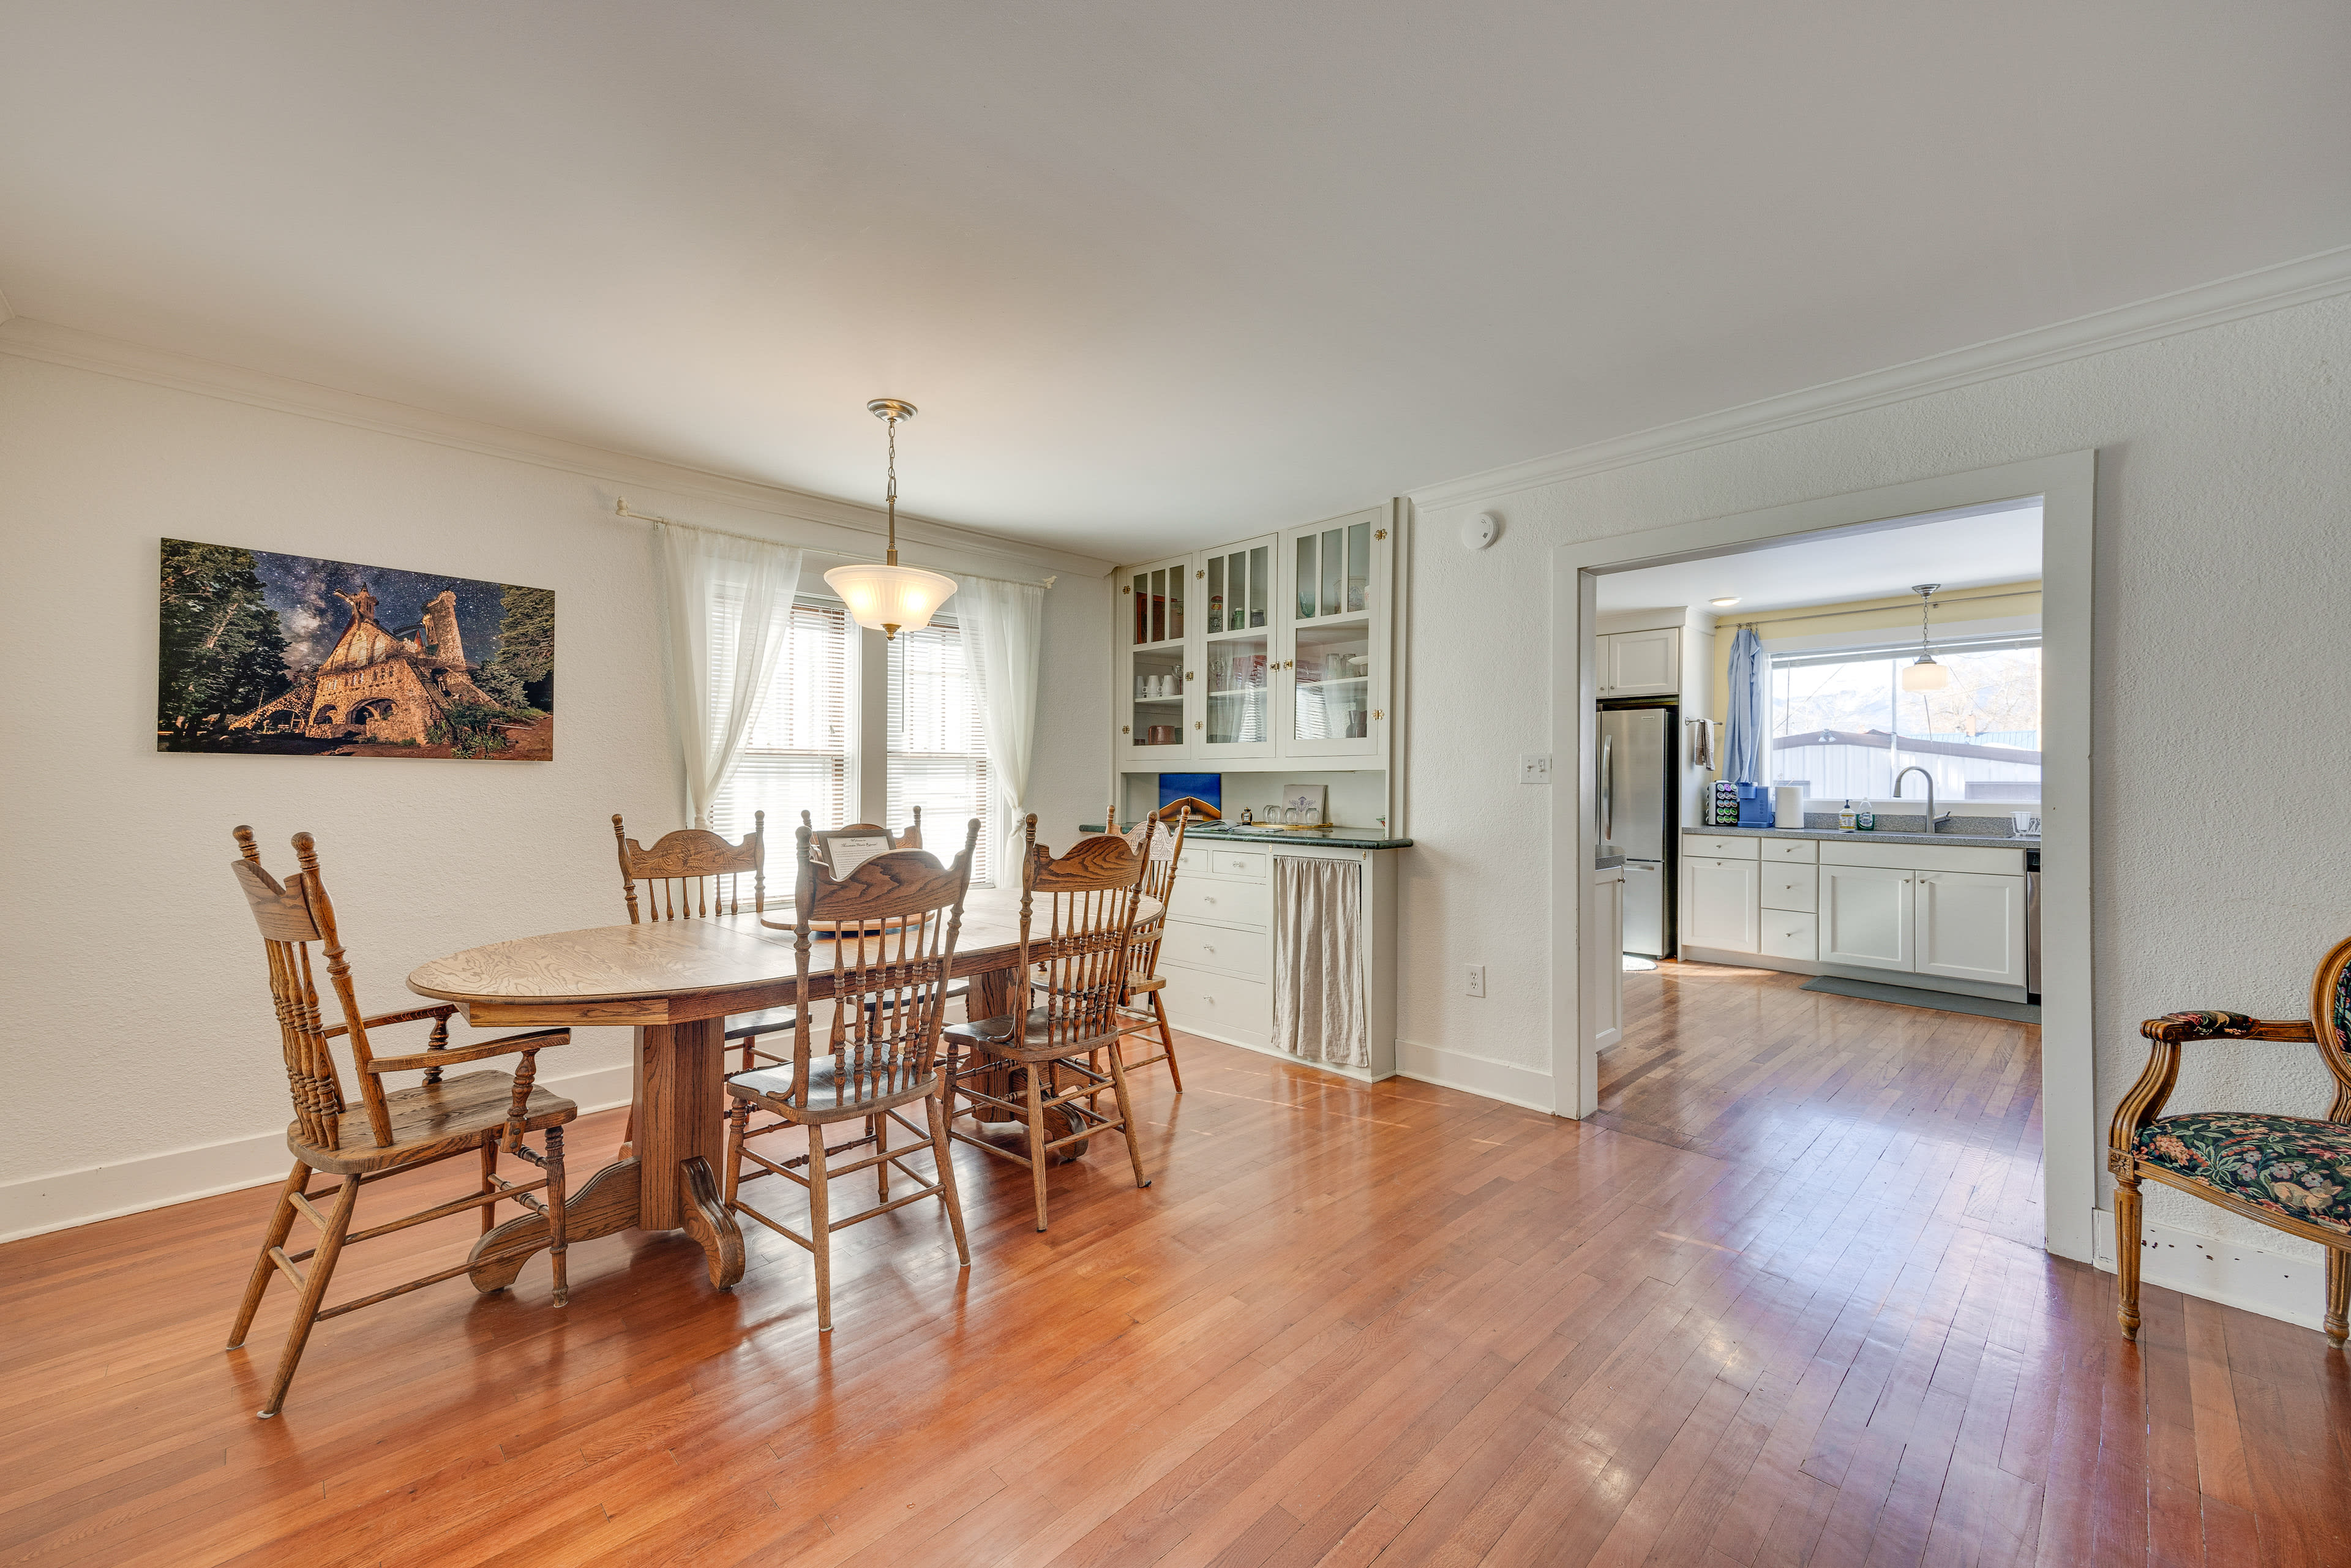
<point x="1077" y="964"/>
<point x="292" y="915"/>
<point x="1161" y="851"/>
<point x="692" y="872"/>
<point x="894" y="919"/>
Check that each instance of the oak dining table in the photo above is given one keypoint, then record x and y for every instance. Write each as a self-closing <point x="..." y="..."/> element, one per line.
<point x="675" y="983"/>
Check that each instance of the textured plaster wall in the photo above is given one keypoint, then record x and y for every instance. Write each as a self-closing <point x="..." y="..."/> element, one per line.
<point x="133" y="974"/>
<point x="2222" y="848"/>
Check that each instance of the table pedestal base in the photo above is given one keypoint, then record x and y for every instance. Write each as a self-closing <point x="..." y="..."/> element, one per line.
<point x="610" y="1201"/>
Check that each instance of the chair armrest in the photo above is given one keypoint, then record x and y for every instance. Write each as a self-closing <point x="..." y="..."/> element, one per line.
<point x="506" y="1045"/>
<point x="439" y="1010"/>
<point x="2175" y="1029"/>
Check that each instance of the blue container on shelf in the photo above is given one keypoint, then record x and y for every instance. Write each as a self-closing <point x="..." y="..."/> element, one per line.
<point x="1754" y="805"/>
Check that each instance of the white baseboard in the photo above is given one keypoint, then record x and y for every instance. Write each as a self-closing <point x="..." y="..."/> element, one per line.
<point x="45" y="1203"/>
<point x="1495" y="1080"/>
<point x="1360" y="1074"/>
<point x="2291" y="1290"/>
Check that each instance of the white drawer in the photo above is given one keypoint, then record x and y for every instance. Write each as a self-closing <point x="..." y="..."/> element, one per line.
<point x="1791" y="887"/>
<point x="1799" y="851"/>
<point x="1223" y="1005"/>
<point x="1925" y="857"/>
<point x="1247" y="865"/>
<point x="1788" y="935"/>
<point x="1236" y="903"/>
<point x="1216" y="947"/>
<point x="1723" y="848"/>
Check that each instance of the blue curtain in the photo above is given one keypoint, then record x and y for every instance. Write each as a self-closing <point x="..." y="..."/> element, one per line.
<point x="1742" y="735"/>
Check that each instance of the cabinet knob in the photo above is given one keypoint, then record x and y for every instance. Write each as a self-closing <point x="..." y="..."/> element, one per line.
<point x="1200" y="574"/>
<point x="1377" y="714"/>
<point x="1123" y="729"/>
<point x="1188" y="675"/>
<point x="1195" y="724"/>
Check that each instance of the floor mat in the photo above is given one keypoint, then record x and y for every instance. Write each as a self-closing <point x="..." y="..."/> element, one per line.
<point x="1911" y="997"/>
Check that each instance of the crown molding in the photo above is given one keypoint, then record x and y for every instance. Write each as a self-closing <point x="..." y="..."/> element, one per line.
<point x="2313" y="277"/>
<point x="639" y="476"/>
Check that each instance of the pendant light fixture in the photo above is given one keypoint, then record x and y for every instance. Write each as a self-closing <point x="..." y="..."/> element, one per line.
<point x="891" y="598"/>
<point x="1925" y="674"/>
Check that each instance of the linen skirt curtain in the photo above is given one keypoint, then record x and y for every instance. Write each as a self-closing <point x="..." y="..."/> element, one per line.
<point x="1318" y="960"/>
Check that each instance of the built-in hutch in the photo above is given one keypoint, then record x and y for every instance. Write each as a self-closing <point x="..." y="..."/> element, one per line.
<point x="1274" y="656"/>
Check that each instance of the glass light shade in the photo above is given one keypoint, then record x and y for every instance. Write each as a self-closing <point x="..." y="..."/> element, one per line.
<point x="881" y="598"/>
<point x="1926" y="675"/>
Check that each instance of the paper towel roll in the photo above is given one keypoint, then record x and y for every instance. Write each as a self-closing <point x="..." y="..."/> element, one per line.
<point x="1787" y="806"/>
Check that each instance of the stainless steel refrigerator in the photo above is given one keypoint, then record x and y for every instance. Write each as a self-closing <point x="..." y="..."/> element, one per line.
<point x="1637" y="810"/>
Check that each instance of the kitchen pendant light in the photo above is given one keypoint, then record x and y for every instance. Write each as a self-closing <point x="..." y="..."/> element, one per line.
<point x="890" y="597"/>
<point x="1925" y="674"/>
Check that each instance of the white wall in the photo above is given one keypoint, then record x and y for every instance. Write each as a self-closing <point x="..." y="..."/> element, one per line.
<point x="137" y="1029"/>
<point x="2222" y="579"/>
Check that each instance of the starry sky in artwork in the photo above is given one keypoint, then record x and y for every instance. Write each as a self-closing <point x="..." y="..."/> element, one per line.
<point x="302" y="590"/>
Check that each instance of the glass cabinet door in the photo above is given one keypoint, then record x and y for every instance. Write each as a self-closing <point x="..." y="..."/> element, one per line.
<point x="1151" y="709"/>
<point x="1333" y="664"/>
<point x="1239" y="601"/>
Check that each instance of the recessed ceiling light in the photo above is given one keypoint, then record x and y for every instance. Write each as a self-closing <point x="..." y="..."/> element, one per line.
<point x="1724" y="603"/>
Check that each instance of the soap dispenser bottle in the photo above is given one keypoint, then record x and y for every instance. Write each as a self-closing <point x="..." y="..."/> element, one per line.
<point x="1864" y="817"/>
<point x="1846" y="818"/>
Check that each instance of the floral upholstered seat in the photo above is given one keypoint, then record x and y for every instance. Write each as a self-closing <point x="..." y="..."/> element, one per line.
<point x="2290" y="1166"/>
<point x="2290" y="1173"/>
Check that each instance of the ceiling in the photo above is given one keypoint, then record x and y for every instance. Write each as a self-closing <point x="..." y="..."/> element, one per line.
<point x="1155" y="275"/>
<point x="1874" y="562"/>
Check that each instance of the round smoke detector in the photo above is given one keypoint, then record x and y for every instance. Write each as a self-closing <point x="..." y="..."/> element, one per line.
<point x="1480" y="531"/>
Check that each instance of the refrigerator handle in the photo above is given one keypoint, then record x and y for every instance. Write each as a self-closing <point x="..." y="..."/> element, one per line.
<point x="1607" y="789"/>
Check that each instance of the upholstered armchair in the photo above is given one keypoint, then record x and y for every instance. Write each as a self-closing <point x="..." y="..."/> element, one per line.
<point x="2291" y="1173"/>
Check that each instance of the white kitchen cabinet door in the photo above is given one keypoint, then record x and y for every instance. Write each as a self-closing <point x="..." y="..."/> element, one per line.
<point x="1865" y="917"/>
<point x="1604" y="985"/>
<point x="1641" y="664"/>
<point x="1969" y="926"/>
<point x="1718" y="904"/>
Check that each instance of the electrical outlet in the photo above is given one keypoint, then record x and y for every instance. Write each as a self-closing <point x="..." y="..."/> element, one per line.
<point x="1534" y="769"/>
<point x="1476" y="980"/>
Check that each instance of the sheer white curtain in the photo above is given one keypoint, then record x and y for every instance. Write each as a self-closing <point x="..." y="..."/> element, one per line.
<point x="1003" y="626"/>
<point x="725" y="604"/>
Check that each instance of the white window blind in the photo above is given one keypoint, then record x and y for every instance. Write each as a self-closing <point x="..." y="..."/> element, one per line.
<point x="798" y="754"/>
<point x="938" y="744"/>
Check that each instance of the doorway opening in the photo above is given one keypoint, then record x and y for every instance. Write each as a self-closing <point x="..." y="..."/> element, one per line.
<point x="1763" y="730"/>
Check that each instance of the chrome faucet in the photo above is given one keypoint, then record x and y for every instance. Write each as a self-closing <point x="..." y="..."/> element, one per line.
<point x="1932" y="826"/>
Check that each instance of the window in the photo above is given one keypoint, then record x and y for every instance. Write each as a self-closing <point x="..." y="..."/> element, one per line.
<point x="937" y="748"/>
<point x="1842" y="725"/>
<point x="799" y="752"/>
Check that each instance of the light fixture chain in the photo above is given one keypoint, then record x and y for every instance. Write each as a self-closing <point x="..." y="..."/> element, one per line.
<point x="893" y="494"/>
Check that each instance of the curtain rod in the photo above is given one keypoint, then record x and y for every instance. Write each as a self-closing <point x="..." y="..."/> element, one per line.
<point x="621" y="509"/>
<point x="1890" y="609"/>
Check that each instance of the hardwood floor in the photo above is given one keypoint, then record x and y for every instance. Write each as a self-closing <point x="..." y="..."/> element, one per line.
<point x="1781" y="1303"/>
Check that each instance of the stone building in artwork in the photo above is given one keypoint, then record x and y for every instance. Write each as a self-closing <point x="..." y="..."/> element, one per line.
<point x="377" y="686"/>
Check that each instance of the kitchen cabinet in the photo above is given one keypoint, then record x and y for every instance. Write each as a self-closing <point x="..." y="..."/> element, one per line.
<point x="1865" y="916"/>
<point x="1971" y="927"/>
<point x="1240" y="614"/>
<point x="1720" y="908"/>
<point x="1948" y="912"/>
<point x="1639" y="664"/>
<point x="1605" y="982"/>
<point x="1156" y="670"/>
<point x="1280" y="646"/>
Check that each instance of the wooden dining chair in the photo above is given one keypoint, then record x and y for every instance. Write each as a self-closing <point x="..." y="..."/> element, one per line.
<point x="881" y="1053"/>
<point x="693" y="873"/>
<point x="2290" y="1173"/>
<point x="1076" y="934"/>
<point x="1145" y="1015"/>
<point x="820" y="850"/>
<point x="392" y="1130"/>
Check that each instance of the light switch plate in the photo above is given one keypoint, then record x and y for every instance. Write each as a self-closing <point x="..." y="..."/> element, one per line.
<point x="1476" y="980"/>
<point x="1534" y="769"/>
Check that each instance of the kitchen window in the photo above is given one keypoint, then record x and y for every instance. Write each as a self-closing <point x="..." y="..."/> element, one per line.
<point x="1842" y="725"/>
<point x="937" y="746"/>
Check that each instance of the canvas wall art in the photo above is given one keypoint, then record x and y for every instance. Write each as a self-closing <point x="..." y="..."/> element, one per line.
<point x="289" y="653"/>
